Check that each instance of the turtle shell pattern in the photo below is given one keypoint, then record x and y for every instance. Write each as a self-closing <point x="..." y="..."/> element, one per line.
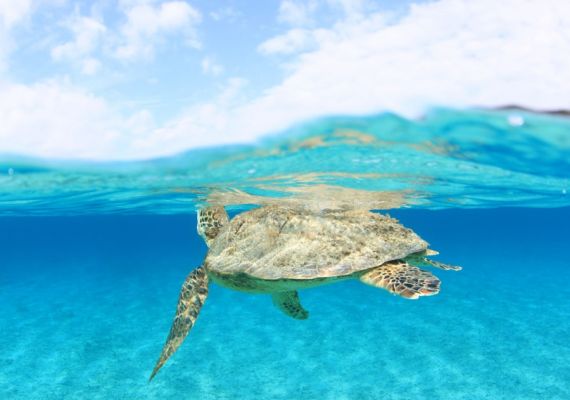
<point x="275" y="242"/>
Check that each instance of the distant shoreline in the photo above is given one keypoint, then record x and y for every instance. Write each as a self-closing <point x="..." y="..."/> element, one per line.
<point x="514" y="107"/>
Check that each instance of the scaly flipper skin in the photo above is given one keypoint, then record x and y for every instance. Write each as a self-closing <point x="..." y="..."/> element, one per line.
<point x="192" y="297"/>
<point x="443" y="266"/>
<point x="398" y="277"/>
<point x="289" y="303"/>
<point x="419" y="260"/>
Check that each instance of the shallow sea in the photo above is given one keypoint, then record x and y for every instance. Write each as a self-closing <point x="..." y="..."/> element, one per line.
<point x="92" y="257"/>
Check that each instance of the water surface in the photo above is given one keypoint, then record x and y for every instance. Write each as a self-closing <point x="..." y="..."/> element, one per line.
<point x="92" y="257"/>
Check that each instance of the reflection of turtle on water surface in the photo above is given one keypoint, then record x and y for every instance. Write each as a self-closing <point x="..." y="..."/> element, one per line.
<point x="278" y="250"/>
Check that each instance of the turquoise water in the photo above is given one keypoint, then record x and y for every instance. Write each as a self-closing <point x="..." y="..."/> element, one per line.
<point x="92" y="257"/>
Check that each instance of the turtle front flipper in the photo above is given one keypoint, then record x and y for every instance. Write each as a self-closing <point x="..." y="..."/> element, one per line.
<point x="399" y="277"/>
<point x="446" y="267"/>
<point x="289" y="303"/>
<point x="192" y="297"/>
<point x="420" y="260"/>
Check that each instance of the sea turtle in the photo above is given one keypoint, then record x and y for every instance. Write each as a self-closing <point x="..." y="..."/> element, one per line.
<point x="278" y="250"/>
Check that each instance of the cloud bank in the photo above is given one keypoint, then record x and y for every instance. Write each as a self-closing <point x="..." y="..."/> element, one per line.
<point x="446" y="53"/>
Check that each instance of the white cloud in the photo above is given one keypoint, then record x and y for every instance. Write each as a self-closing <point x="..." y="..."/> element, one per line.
<point x="450" y="52"/>
<point x="296" y="40"/>
<point x="90" y="66"/>
<point x="307" y="13"/>
<point x="145" y="27"/>
<point x="352" y="9"/>
<point x="13" y="11"/>
<point x="88" y="33"/>
<point x="353" y="18"/>
<point x="57" y="120"/>
<point x="210" y="67"/>
<point x="5" y="46"/>
<point x="226" y="14"/>
<point x="204" y="124"/>
<point x="147" y="24"/>
<point x="292" y="41"/>
<point x="297" y="13"/>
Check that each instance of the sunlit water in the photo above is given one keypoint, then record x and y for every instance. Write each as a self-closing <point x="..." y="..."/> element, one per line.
<point x="92" y="257"/>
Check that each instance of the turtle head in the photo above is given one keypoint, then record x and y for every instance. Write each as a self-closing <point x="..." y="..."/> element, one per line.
<point x="210" y="222"/>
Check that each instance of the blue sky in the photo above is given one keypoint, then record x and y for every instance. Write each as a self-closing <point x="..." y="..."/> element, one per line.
<point x="123" y="79"/>
<point x="182" y="64"/>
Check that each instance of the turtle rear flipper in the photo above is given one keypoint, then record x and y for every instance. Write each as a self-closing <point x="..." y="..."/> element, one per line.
<point x="399" y="277"/>
<point x="289" y="303"/>
<point x="192" y="297"/>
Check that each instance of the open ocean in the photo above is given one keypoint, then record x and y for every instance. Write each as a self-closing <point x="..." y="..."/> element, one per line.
<point x="92" y="257"/>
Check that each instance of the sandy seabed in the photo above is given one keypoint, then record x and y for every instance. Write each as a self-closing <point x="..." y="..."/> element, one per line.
<point x="85" y="317"/>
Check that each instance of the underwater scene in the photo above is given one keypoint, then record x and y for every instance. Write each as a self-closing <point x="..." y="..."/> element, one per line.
<point x="93" y="257"/>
